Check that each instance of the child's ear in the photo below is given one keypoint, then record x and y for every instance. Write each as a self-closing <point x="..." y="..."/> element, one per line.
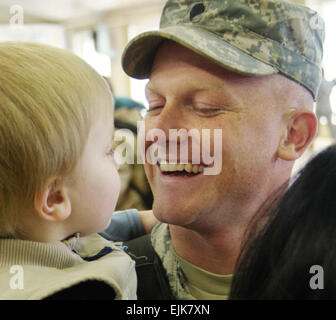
<point x="300" y="131"/>
<point x="53" y="204"/>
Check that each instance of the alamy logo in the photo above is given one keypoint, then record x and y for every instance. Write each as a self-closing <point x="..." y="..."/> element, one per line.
<point x="316" y="281"/>
<point x="17" y="279"/>
<point x="17" y="16"/>
<point x="201" y="147"/>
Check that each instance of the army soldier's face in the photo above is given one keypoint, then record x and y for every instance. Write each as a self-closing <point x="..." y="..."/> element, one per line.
<point x="187" y="91"/>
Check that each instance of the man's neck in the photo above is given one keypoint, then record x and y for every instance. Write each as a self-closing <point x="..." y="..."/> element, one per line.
<point x="215" y="252"/>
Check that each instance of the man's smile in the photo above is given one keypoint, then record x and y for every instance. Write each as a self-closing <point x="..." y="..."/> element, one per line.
<point x="180" y="169"/>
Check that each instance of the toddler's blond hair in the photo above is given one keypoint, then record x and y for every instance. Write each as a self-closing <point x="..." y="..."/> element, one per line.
<point x="48" y="100"/>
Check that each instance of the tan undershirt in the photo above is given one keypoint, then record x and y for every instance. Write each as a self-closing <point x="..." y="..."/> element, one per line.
<point x="204" y="285"/>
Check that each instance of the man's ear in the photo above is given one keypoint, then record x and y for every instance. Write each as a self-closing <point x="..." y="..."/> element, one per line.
<point x="53" y="204"/>
<point x="300" y="131"/>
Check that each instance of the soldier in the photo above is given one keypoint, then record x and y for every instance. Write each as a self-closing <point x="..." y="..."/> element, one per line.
<point x="252" y="69"/>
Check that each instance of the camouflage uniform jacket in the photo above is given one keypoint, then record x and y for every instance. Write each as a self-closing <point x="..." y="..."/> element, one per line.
<point x="161" y="242"/>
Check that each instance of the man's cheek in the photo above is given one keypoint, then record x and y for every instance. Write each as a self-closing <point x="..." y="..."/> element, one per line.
<point x="212" y="151"/>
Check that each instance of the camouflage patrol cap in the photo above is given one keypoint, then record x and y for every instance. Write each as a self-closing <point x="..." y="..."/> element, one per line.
<point x="253" y="37"/>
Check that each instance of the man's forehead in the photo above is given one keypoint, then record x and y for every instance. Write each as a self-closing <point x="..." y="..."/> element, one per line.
<point x="238" y="88"/>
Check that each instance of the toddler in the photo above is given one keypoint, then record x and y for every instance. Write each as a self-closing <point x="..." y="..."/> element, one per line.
<point x="58" y="179"/>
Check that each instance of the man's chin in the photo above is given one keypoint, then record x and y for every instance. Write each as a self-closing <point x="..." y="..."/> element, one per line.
<point x="172" y="213"/>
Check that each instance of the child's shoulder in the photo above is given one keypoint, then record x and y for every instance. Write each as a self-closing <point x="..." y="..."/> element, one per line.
<point x="99" y="265"/>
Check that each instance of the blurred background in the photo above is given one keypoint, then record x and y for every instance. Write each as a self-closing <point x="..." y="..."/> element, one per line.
<point x="98" y="30"/>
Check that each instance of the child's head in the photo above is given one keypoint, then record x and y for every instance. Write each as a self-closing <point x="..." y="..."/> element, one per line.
<point x="56" y="122"/>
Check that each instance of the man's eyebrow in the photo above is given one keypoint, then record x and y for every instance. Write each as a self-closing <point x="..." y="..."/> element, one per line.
<point x="199" y="87"/>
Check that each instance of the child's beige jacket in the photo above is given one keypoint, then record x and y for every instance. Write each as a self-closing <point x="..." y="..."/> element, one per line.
<point x="35" y="270"/>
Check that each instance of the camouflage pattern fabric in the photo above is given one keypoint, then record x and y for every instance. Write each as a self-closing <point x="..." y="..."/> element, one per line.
<point x="253" y="37"/>
<point x="161" y="242"/>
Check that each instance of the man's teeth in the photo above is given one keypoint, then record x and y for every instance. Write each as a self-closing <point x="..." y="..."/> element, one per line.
<point x="190" y="168"/>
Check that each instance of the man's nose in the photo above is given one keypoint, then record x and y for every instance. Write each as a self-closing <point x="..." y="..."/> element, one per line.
<point x="168" y="130"/>
<point x="170" y="117"/>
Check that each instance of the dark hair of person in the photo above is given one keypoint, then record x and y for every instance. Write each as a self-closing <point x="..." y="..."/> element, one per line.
<point x="295" y="231"/>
